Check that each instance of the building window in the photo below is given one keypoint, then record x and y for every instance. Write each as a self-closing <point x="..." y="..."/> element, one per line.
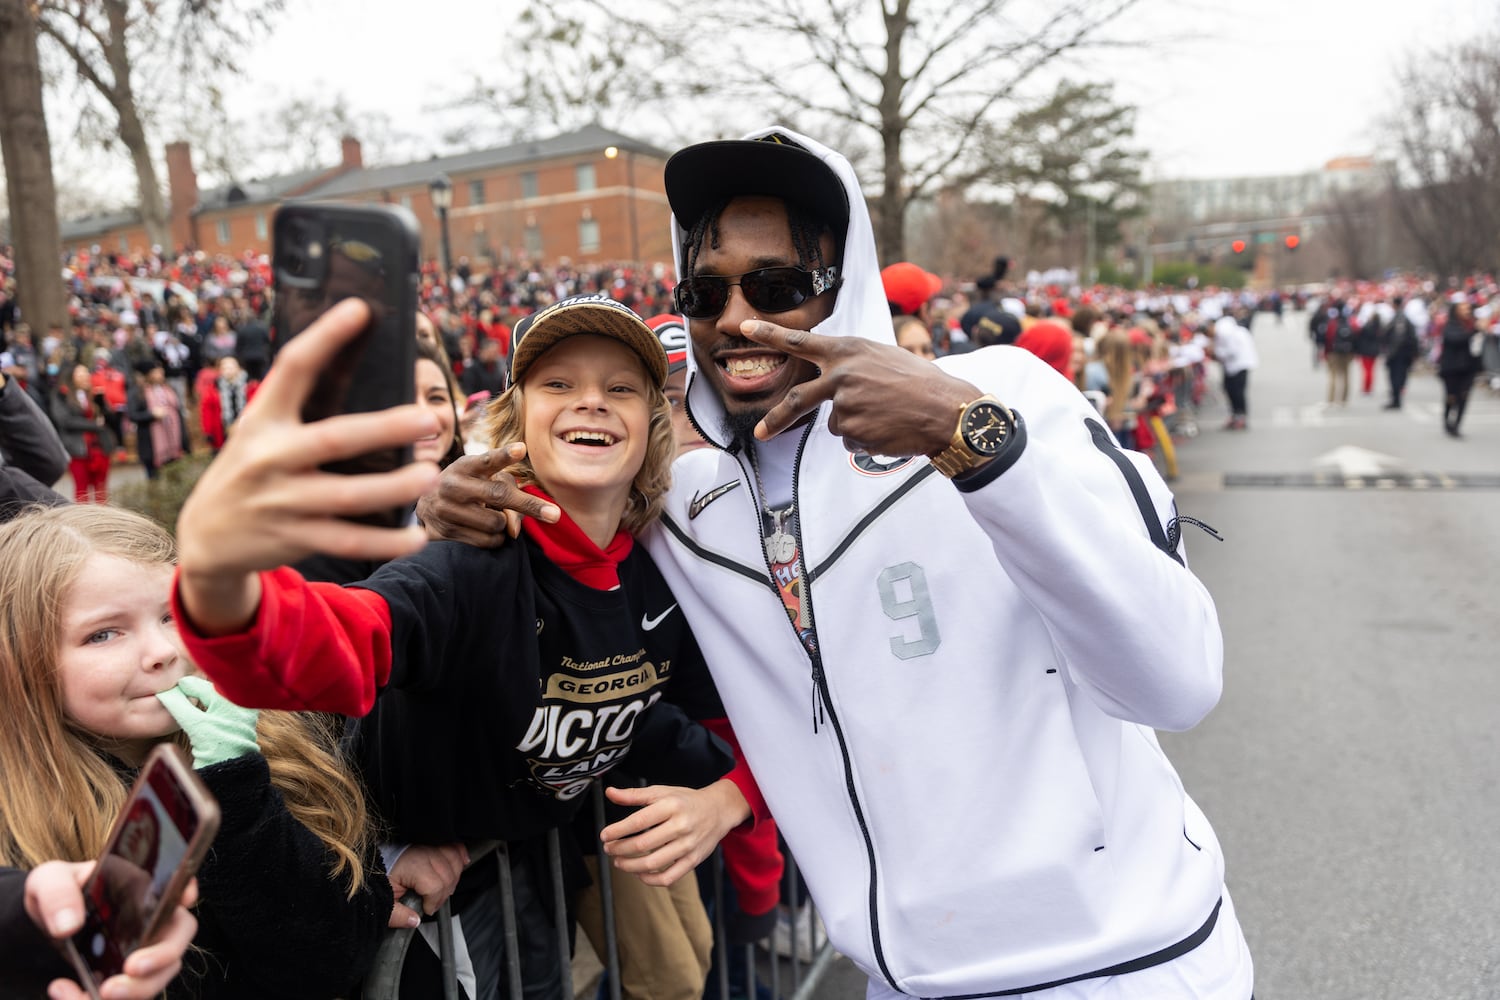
<point x="406" y="202"/>
<point x="223" y="232"/>
<point x="260" y="225"/>
<point x="588" y="236"/>
<point x="528" y="184"/>
<point x="585" y="173"/>
<point x="124" y="244"/>
<point x="476" y="192"/>
<point x="534" y="241"/>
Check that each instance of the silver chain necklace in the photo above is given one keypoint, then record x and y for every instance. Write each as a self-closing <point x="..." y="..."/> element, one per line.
<point x="781" y="546"/>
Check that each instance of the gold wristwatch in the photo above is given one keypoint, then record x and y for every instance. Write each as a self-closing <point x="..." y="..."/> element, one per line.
<point x="983" y="426"/>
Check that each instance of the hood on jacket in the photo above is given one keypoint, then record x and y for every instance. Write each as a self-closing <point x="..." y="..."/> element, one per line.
<point x="860" y="309"/>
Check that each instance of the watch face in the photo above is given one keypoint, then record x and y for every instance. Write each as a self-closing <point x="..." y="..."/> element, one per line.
<point x="985" y="426"/>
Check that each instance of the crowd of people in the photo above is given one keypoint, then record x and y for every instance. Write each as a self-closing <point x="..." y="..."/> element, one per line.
<point x="630" y="515"/>
<point x="1452" y="327"/>
<point x="161" y="354"/>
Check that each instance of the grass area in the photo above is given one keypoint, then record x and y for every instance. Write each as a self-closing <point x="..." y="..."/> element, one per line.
<point x="161" y="498"/>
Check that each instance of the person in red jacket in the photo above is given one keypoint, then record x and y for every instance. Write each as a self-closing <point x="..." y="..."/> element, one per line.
<point x="109" y="384"/>
<point x="223" y="394"/>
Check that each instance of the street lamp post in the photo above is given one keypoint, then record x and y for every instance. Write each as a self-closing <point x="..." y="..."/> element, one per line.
<point x="441" y="190"/>
<point x="635" y="242"/>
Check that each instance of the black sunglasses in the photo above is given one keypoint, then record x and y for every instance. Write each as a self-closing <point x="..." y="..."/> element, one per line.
<point x="769" y="290"/>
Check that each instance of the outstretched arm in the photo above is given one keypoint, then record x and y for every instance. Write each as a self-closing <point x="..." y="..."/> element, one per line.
<point x="266" y="502"/>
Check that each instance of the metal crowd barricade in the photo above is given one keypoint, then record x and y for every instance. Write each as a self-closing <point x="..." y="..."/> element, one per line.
<point x="384" y="980"/>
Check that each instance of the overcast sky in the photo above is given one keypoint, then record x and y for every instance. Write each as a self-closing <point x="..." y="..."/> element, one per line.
<point x="1246" y="88"/>
<point x="1271" y="86"/>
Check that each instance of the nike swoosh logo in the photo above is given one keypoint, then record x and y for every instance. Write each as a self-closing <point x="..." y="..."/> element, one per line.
<point x="699" y="502"/>
<point x="648" y="623"/>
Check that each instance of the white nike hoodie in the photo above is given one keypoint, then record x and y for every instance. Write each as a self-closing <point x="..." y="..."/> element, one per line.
<point x="982" y="805"/>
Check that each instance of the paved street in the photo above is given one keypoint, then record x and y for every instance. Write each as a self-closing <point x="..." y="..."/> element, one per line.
<point x="1352" y="769"/>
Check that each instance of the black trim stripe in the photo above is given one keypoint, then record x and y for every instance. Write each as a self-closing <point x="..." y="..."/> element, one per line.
<point x="713" y="557"/>
<point x="869" y="518"/>
<point x="1137" y="485"/>
<point x="1156" y="958"/>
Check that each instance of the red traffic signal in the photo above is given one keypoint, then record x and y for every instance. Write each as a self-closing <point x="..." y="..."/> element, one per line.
<point x="1238" y="246"/>
<point x="1293" y="241"/>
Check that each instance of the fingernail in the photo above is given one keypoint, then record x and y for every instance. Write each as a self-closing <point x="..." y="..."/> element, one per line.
<point x="413" y="920"/>
<point x="65" y="922"/>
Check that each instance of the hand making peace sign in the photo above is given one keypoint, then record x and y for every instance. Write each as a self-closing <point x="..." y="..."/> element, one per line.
<point x="886" y="401"/>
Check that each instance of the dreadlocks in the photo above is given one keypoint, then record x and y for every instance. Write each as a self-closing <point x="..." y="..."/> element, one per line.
<point x="807" y="233"/>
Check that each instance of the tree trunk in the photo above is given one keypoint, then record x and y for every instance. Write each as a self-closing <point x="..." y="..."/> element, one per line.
<point x="890" y="232"/>
<point x="133" y="132"/>
<point x="28" y="171"/>
<point x="153" y="206"/>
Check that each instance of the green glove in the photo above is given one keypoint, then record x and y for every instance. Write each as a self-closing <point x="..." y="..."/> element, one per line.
<point x="220" y="730"/>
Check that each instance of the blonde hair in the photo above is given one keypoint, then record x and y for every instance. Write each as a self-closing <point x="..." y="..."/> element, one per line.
<point x="60" y="793"/>
<point x="506" y="423"/>
<point x="1119" y="361"/>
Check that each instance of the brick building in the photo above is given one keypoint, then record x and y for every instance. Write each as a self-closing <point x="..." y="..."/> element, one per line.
<point x="590" y="196"/>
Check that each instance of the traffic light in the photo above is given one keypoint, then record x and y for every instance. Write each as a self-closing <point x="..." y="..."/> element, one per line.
<point x="1238" y="246"/>
<point x="1293" y="241"/>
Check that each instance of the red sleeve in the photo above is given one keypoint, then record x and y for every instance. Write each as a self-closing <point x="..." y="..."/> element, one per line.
<point x="753" y="862"/>
<point x="752" y="859"/>
<point x="312" y="647"/>
<point x="740" y="774"/>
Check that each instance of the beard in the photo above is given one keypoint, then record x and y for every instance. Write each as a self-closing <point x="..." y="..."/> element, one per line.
<point x="739" y="428"/>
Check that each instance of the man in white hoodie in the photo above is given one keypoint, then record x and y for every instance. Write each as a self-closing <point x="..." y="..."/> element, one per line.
<point x="989" y="611"/>
<point x="1234" y="349"/>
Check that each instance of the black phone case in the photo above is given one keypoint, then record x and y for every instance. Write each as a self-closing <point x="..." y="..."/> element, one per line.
<point x="323" y="253"/>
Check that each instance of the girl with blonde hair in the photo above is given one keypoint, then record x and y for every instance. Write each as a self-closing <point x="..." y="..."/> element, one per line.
<point x="292" y="899"/>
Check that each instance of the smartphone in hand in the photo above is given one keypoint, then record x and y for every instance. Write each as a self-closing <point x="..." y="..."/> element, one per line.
<point x="155" y="846"/>
<point x="323" y="253"/>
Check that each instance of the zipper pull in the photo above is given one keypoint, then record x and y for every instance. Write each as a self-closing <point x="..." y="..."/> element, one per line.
<point x="817" y="695"/>
<point x="1194" y="521"/>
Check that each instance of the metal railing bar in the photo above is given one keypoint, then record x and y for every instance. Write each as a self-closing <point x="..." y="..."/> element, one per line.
<point x="607" y="902"/>
<point x="508" y="918"/>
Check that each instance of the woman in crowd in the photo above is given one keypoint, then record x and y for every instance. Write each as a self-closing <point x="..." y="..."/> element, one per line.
<point x="1458" y="363"/>
<point x="219" y="343"/>
<point x="547" y="658"/>
<point x="79" y="415"/>
<point x="161" y="430"/>
<point x="913" y="335"/>
<point x="222" y="398"/>
<point x="293" y="902"/>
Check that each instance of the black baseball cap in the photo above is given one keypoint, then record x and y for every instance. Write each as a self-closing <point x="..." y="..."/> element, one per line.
<point x="775" y="165"/>
<point x="597" y="314"/>
<point x="988" y="323"/>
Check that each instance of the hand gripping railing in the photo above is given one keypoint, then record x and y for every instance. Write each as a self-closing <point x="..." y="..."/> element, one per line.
<point x="384" y="979"/>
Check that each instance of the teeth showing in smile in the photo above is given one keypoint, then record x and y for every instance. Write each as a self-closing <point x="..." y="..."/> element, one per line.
<point x="597" y="439"/>
<point x="752" y="367"/>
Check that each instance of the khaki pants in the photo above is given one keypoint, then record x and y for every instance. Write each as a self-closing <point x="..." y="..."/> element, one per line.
<point x="1338" y="377"/>
<point x="663" y="935"/>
